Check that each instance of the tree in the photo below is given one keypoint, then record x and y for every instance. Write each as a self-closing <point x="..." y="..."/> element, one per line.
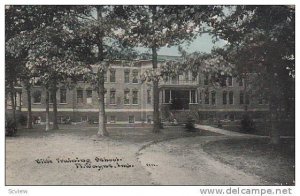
<point x="48" y="49"/>
<point x="13" y="26"/>
<point x="261" y="41"/>
<point x="158" y="26"/>
<point x="97" y="43"/>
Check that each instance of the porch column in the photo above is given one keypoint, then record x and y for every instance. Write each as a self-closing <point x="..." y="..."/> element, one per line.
<point x="170" y="96"/>
<point x="190" y="96"/>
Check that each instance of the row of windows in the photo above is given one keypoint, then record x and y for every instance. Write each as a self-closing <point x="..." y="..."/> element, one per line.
<point x="227" y="98"/>
<point x="112" y="76"/>
<point x="112" y="119"/>
<point x="37" y="96"/>
<point x="128" y="95"/>
<point x="223" y="81"/>
<point x="131" y="119"/>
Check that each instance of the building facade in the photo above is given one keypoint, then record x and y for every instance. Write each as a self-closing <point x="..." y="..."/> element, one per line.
<point x="129" y="100"/>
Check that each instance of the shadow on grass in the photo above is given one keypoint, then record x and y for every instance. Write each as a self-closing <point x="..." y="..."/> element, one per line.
<point x="275" y="165"/>
<point x="121" y="134"/>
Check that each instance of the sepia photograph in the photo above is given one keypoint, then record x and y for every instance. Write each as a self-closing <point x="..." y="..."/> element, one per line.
<point x="155" y="95"/>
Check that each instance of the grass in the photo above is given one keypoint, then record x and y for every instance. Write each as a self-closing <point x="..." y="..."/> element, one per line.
<point x="285" y="128"/>
<point x="275" y="165"/>
<point x="123" y="134"/>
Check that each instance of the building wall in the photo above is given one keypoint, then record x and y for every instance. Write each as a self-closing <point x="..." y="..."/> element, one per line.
<point x="142" y="111"/>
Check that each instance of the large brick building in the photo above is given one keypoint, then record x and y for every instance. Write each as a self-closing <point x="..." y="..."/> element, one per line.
<point x="128" y="100"/>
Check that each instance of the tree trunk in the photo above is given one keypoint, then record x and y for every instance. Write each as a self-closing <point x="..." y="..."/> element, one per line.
<point x="273" y="106"/>
<point x="47" y="110"/>
<point x="274" y="132"/>
<point x="54" y="100"/>
<point x="29" y="113"/>
<point x="12" y="98"/>
<point x="102" y="126"/>
<point x="156" y="119"/>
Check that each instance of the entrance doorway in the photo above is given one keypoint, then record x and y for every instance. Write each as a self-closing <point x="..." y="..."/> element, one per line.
<point x="180" y="99"/>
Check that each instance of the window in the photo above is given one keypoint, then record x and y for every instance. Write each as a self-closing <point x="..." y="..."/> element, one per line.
<point x="126" y="76"/>
<point x="186" y="76"/>
<point x="135" y="76"/>
<point x="112" y="75"/>
<point x="37" y="96"/>
<point x="241" y="97"/>
<point x="231" y="117"/>
<point x="105" y="76"/>
<point x="51" y="98"/>
<point x="89" y="96"/>
<point x="131" y="119"/>
<point x="247" y="99"/>
<point x="193" y="96"/>
<point x="63" y="95"/>
<point x="223" y="81"/>
<point x="79" y="96"/>
<point x="260" y="99"/>
<point x="206" y="79"/>
<point x="167" y="96"/>
<point x="200" y="97"/>
<point x="149" y="96"/>
<point x="112" y="119"/>
<point x="149" y="119"/>
<point x="266" y="99"/>
<point x="241" y="82"/>
<point x="230" y="97"/>
<point x="213" y="97"/>
<point x="135" y="97"/>
<point x="229" y="79"/>
<point x="194" y="77"/>
<point x="112" y="98"/>
<point x="105" y="96"/>
<point x="84" y="118"/>
<point x="126" y="96"/>
<point x="206" y="97"/>
<point x="174" y="79"/>
<point x="224" y="97"/>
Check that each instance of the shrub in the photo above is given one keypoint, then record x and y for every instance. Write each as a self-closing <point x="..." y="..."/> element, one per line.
<point x="247" y="124"/>
<point x="10" y="127"/>
<point x="190" y="124"/>
<point x="22" y="119"/>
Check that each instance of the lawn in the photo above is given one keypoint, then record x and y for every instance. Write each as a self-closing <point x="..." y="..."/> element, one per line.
<point x="275" y="165"/>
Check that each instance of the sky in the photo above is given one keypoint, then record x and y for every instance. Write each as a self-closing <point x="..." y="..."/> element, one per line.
<point x="202" y="43"/>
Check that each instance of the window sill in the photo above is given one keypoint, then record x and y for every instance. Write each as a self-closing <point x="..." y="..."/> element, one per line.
<point x="112" y="104"/>
<point x="63" y="103"/>
<point x="135" y="104"/>
<point x="193" y="103"/>
<point x="36" y="103"/>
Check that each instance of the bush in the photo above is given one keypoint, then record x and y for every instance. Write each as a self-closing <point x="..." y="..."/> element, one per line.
<point x="247" y="124"/>
<point x="190" y="124"/>
<point x="22" y="119"/>
<point x="10" y="127"/>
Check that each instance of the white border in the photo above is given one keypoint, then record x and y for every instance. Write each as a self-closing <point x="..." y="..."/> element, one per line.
<point x="125" y="190"/>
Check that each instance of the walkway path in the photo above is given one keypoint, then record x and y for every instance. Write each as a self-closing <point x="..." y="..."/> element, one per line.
<point x="220" y="131"/>
<point x="183" y="162"/>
